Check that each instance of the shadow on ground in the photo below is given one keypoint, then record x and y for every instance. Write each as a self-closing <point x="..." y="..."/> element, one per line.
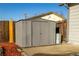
<point x="69" y="54"/>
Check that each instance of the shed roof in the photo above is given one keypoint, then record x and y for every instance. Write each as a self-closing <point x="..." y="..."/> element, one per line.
<point x="42" y="16"/>
<point x="72" y="4"/>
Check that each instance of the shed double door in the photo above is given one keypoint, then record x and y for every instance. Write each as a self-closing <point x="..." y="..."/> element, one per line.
<point x="41" y="33"/>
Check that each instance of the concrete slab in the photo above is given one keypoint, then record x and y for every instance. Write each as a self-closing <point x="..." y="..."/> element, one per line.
<point x="53" y="50"/>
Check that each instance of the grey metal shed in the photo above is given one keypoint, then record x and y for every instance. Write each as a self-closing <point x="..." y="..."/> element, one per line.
<point x="35" y="31"/>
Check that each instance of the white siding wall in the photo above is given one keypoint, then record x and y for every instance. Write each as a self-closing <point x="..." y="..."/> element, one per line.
<point x="74" y="24"/>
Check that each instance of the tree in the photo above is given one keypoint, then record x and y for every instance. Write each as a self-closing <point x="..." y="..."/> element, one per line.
<point x="65" y="5"/>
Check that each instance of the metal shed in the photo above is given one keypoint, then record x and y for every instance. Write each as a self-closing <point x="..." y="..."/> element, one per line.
<point x="35" y="31"/>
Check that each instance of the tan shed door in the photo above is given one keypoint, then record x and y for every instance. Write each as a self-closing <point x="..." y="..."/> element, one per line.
<point x="40" y="33"/>
<point x="44" y="33"/>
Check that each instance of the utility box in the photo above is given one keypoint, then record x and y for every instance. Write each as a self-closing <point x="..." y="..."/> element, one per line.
<point x="58" y="35"/>
<point x="58" y="38"/>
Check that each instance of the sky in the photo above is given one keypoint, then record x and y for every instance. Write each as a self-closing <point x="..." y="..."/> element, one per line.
<point x="16" y="11"/>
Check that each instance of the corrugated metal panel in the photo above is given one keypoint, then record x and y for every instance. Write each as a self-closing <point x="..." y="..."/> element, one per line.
<point x="36" y="33"/>
<point x="24" y="33"/>
<point x="28" y="34"/>
<point x="18" y="33"/>
<point x="52" y="32"/>
<point x="74" y="24"/>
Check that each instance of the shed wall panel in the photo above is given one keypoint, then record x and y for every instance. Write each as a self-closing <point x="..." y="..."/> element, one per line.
<point x="28" y="34"/>
<point x="36" y="34"/>
<point x="18" y="33"/>
<point x="52" y="32"/>
<point x="24" y="31"/>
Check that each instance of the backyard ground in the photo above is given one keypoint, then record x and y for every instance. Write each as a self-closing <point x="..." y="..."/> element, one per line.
<point x="53" y="50"/>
